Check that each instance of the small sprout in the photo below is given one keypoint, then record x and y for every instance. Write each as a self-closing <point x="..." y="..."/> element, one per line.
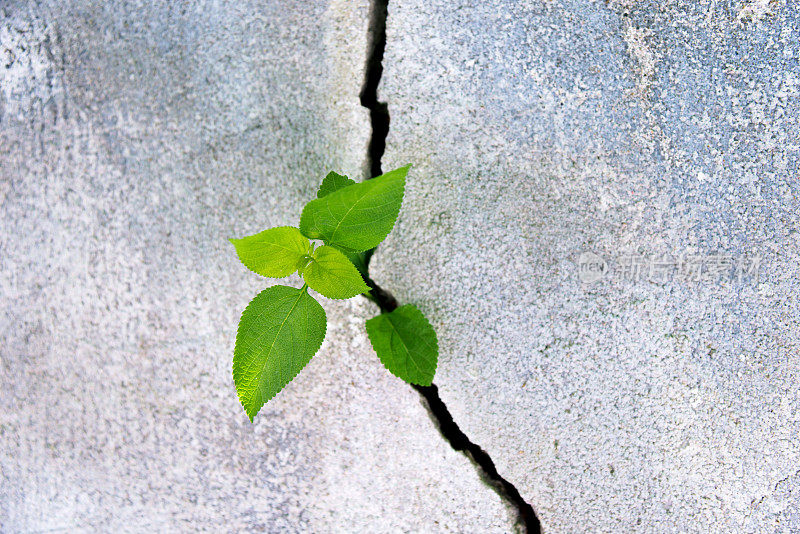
<point x="283" y="327"/>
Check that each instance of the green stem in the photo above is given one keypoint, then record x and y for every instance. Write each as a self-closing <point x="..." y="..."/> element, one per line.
<point x="369" y="296"/>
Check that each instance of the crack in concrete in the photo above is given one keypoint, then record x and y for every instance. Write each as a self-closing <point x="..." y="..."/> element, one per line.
<point x="373" y="71"/>
<point x="527" y="521"/>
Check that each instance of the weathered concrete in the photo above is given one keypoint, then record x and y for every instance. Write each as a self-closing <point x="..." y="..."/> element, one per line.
<point x="135" y="137"/>
<point x="543" y="130"/>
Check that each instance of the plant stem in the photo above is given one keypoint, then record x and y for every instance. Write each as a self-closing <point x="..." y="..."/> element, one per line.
<point x="369" y="296"/>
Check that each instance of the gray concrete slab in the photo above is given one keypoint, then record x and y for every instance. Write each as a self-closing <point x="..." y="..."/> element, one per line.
<point x="135" y="138"/>
<point x="632" y="130"/>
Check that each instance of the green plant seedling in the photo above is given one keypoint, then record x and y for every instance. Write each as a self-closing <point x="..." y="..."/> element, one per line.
<point x="283" y="327"/>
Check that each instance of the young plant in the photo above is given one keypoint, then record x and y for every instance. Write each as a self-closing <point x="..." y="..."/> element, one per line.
<point x="283" y="327"/>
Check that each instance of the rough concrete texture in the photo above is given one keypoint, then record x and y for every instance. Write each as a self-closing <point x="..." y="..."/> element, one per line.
<point x="135" y="137"/>
<point x="543" y="130"/>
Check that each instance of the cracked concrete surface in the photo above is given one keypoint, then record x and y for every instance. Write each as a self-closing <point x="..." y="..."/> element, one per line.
<point x="540" y="131"/>
<point x="134" y="139"/>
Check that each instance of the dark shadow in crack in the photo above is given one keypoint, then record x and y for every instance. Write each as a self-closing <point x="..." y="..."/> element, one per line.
<point x="527" y="520"/>
<point x="440" y="415"/>
<point x="373" y="70"/>
<point x="442" y="418"/>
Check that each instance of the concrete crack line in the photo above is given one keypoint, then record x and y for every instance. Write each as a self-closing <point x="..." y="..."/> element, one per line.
<point x="527" y="521"/>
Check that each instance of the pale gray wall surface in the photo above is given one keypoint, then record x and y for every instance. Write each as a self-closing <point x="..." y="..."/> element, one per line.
<point x="542" y="130"/>
<point x="135" y="138"/>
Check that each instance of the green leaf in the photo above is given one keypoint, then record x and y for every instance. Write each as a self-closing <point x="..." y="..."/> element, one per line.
<point x="359" y="259"/>
<point x="359" y="216"/>
<point x="333" y="182"/>
<point x="405" y="343"/>
<point x="333" y="275"/>
<point x="274" y="252"/>
<point x="279" y="332"/>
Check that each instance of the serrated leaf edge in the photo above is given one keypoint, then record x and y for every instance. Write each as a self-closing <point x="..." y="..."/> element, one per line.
<point x="232" y="239"/>
<point x="354" y="267"/>
<point x="347" y="178"/>
<point x="389" y="231"/>
<point x="436" y="367"/>
<point x="238" y="328"/>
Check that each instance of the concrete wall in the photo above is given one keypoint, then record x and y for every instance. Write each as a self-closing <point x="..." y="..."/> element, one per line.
<point x="135" y="138"/>
<point x="561" y="150"/>
<point x="544" y="131"/>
